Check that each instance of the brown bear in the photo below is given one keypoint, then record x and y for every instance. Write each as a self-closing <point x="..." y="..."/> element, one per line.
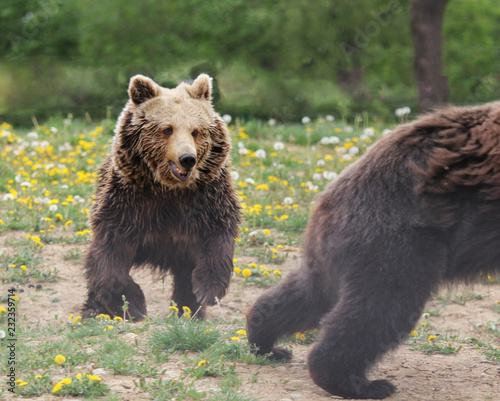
<point x="420" y="208"/>
<point x="164" y="198"/>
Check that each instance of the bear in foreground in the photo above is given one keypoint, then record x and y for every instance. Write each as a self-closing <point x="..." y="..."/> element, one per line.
<point x="164" y="198"/>
<point x="420" y="208"/>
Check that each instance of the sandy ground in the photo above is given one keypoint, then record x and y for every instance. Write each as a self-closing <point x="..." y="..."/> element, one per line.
<point x="466" y="376"/>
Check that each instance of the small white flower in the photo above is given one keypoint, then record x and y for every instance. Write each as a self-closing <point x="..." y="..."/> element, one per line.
<point x="288" y="201"/>
<point x="6" y="134"/>
<point x="45" y="201"/>
<point x="348" y="129"/>
<point x="329" y="175"/>
<point x="364" y="137"/>
<point x="227" y="118"/>
<point x="369" y="131"/>
<point x="54" y="130"/>
<point x="251" y="181"/>
<point x="64" y="186"/>
<point x="316" y="176"/>
<point x="325" y="140"/>
<point x="18" y="178"/>
<point x="353" y="150"/>
<point x="32" y="135"/>
<point x="53" y="208"/>
<point x="320" y="162"/>
<point x="44" y="144"/>
<point x="272" y="122"/>
<point x="334" y="140"/>
<point x="8" y="197"/>
<point x="260" y="154"/>
<point x="279" y="146"/>
<point x="386" y="131"/>
<point x="235" y="175"/>
<point x="402" y="111"/>
<point x="252" y="233"/>
<point x="78" y="198"/>
<point x="26" y="184"/>
<point x="347" y="156"/>
<point x="341" y="150"/>
<point x="329" y="117"/>
<point x="2" y="334"/>
<point x="306" y="120"/>
<point x="242" y="150"/>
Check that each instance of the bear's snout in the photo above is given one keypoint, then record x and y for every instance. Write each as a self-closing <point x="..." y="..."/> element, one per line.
<point x="187" y="161"/>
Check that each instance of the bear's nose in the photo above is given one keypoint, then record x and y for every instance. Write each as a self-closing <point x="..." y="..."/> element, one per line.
<point x="187" y="161"/>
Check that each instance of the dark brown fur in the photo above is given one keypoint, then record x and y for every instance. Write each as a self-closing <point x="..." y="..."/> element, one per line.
<point x="420" y="208"/>
<point x="144" y="215"/>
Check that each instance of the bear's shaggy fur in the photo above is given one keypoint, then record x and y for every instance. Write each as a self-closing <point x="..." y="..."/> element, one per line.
<point x="422" y="207"/>
<point x="164" y="198"/>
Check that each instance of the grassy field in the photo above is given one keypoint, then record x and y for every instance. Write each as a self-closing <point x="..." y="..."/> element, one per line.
<point x="46" y="183"/>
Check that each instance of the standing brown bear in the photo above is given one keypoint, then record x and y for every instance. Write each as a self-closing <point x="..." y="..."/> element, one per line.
<point x="164" y="198"/>
<point x="422" y="207"/>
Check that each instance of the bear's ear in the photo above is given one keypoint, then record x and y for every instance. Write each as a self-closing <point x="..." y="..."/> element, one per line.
<point x="201" y="88"/>
<point x="142" y="88"/>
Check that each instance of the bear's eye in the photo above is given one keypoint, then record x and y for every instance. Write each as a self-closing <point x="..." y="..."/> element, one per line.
<point x="195" y="133"/>
<point x="168" y="131"/>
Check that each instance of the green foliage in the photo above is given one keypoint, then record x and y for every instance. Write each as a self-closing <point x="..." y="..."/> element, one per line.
<point x="270" y="59"/>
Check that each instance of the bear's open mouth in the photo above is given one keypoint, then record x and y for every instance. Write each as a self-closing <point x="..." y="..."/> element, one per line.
<point x="181" y="175"/>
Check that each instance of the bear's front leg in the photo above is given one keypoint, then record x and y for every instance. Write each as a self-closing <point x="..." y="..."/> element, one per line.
<point x="107" y="268"/>
<point x="212" y="275"/>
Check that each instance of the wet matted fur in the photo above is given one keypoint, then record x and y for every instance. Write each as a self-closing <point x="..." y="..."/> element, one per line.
<point x="422" y="207"/>
<point x="165" y="199"/>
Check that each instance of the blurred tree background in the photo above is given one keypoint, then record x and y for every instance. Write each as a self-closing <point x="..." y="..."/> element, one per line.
<point x="280" y="59"/>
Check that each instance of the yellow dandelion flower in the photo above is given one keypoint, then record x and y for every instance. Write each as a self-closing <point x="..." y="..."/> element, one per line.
<point x="175" y="309"/>
<point x="59" y="216"/>
<point x="103" y="316"/>
<point x="202" y="362"/>
<point x="414" y="332"/>
<point x="15" y="297"/>
<point x="235" y="338"/>
<point x="79" y="376"/>
<point x="235" y="260"/>
<point x="38" y="376"/>
<point x="118" y="319"/>
<point x="266" y="231"/>
<point x="246" y="273"/>
<point x="94" y="377"/>
<point x="68" y="223"/>
<point x="263" y="187"/>
<point x="187" y="311"/>
<point x="300" y="336"/>
<point x="237" y="270"/>
<point x="277" y="272"/>
<point x="77" y="319"/>
<point x="57" y="387"/>
<point x="60" y="359"/>
<point x="23" y="267"/>
<point x="70" y="317"/>
<point x="207" y="331"/>
<point x="252" y="265"/>
<point x="67" y="380"/>
<point x="431" y="338"/>
<point x="242" y="332"/>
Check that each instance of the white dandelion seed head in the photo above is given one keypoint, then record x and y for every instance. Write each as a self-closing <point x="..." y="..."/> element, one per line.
<point x="227" y="118"/>
<point x="272" y="122"/>
<point x="386" y="131"/>
<point x="320" y="162"/>
<point x="353" y="150"/>
<point x="288" y="201"/>
<point x="306" y="120"/>
<point x="235" y="175"/>
<point x="250" y="181"/>
<point x="330" y="118"/>
<point x="329" y="175"/>
<point x="369" y="131"/>
<point x="53" y="208"/>
<point x="364" y="137"/>
<point x="18" y="178"/>
<point x="8" y="197"/>
<point x="26" y="184"/>
<point x="348" y="128"/>
<point x="260" y="154"/>
<point x="347" y="157"/>
<point x="316" y="176"/>
<point x="242" y="150"/>
<point x="32" y="135"/>
<point x="279" y="146"/>
<point x="325" y="140"/>
<point x="53" y="130"/>
<point x="341" y="150"/>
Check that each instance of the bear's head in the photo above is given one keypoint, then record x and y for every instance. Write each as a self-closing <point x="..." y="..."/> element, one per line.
<point x="171" y="136"/>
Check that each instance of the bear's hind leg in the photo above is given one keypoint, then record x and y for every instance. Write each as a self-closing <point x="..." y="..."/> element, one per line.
<point x="293" y="306"/>
<point x="380" y="302"/>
